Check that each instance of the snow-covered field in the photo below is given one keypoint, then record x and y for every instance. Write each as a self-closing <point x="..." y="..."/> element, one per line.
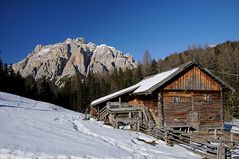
<point x="33" y="129"/>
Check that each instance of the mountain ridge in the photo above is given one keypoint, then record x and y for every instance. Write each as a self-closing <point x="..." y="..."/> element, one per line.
<point x="70" y="57"/>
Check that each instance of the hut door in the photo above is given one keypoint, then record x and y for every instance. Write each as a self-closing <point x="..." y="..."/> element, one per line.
<point x="194" y="120"/>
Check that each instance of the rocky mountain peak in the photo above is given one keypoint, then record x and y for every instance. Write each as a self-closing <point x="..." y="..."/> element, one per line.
<point x="71" y="57"/>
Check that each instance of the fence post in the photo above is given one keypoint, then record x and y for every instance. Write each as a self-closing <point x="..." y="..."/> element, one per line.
<point x="138" y="124"/>
<point x="190" y="142"/>
<point x="215" y="133"/>
<point x="167" y="140"/>
<point x="166" y="136"/>
<point x="221" y="149"/>
<point x="231" y="137"/>
<point x="98" y="110"/>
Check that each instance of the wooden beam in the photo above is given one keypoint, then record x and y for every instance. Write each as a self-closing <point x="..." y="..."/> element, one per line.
<point x="222" y="109"/>
<point x="119" y="101"/>
<point x="98" y="112"/>
<point x="192" y="102"/>
<point x="160" y="110"/>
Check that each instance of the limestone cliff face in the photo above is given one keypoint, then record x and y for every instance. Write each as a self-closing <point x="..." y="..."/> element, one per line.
<point x="106" y="58"/>
<point x="70" y="57"/>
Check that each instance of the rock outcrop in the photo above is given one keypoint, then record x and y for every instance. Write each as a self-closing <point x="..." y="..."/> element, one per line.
<point x="71" y="57"/>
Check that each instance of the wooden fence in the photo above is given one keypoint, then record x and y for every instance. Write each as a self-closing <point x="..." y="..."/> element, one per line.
<point x="221" y="148"/>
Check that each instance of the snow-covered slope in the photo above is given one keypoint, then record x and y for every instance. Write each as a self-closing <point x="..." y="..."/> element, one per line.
<point x="33" y="129"/>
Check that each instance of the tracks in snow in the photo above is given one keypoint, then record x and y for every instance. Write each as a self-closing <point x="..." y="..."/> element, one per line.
<point x="133" y="148"/>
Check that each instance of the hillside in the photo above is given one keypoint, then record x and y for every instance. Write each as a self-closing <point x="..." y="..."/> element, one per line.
<point x="33" y="129"/>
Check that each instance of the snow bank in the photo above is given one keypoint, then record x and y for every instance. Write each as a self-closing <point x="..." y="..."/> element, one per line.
<point x="32" y="129"/>
<point x="146" y="138"/>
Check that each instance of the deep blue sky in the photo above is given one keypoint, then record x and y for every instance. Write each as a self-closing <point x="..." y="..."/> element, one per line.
<point x="132" y="26"/>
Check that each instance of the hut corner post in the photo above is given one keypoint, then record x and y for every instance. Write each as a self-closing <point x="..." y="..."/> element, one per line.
<point x="98" y="112"/>
<point x="221" y="149"/>
<point x="222" y="109"/>
<point x="160" y="109"/>
<point x="119" y="101"/>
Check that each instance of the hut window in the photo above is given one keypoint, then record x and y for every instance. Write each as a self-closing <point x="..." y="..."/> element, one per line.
<point x="176" y="99"/>
<point x="207" y="98"/>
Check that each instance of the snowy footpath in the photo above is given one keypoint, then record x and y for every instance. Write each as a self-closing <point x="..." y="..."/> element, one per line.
<point x="31" y="129"/>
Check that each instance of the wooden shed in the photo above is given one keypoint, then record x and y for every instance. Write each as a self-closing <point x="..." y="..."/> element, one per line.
<point x="188" y="96"/>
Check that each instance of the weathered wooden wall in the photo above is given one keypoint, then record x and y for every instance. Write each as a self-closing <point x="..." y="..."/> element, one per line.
<point x="194" y="79"/>
<point x="210" y="111"/>
<point x="175" y="114"/>
<point x="149" y="101"/>
<point x="192" y="88"/>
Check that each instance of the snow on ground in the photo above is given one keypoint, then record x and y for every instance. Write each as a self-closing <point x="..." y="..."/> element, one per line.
<point x="33" y="129"/>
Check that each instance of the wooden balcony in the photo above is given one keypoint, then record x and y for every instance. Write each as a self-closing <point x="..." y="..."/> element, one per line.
<point x="117" y="107"/>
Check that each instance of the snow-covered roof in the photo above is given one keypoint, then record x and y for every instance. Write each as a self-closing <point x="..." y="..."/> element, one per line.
<point x="152" y="83"/>
<point x="116" y="94"/>
<point x="140" y="87"/>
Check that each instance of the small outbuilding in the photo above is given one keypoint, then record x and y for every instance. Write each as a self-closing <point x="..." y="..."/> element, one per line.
<point x="188" y="96"/>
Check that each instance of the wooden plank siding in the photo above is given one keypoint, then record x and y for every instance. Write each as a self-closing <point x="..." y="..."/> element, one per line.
<point x="210" y="111"/>
<point x="194" y="79"/>
<point x="175" y="114"/>
<point x="194" y="91"/>
<point x="151" y="102"/>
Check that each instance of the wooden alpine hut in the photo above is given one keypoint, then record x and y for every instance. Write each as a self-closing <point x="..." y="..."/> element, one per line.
<point x="188" y="96"/>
